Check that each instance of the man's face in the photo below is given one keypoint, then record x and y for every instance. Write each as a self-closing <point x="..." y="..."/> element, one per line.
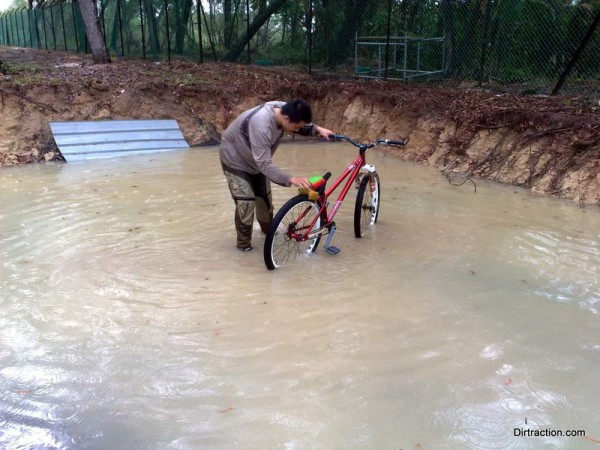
<point x="292" y="127"/>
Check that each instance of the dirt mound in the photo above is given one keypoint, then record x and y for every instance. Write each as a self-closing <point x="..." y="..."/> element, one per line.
<point x="548" y="144"/>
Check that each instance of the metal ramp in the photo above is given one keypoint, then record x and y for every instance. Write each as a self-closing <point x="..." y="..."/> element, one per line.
<point x="112" y="138"/>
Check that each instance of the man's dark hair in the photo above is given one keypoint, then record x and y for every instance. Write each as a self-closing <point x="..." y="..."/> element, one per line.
<point x="298" y="111"/>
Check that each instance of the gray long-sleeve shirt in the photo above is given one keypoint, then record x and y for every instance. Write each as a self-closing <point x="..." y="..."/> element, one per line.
<point x="263" y="135"/>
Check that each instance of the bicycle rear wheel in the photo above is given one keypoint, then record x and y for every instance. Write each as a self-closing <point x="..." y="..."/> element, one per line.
<point x="282" y="244"/>
<point x="366" y="209"/>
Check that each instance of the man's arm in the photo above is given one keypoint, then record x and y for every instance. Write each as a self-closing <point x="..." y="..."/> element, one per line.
<point x="315" y="130"/>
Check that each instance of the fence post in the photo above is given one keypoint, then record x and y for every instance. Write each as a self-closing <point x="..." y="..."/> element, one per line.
<point x="16" y="28"/>
<point x="75" y="25"/>
<point x="577" y="54"/>
<point x="405" y="56"/>
<point x="10" y="34"/>
<point x="102" y="13"/>
<point x="168" y="33"/>
<point x="387" y="40"/>
<point x="199" y="30"/>
<point x="29" y="26"/>
<point x="310" y="21"/>
<point x="51" y="6"/>
<point x="23" y="27"/>
<point x="142" y="25"/>
<point x="1" y="29"/>
<point x="44" y="26"/>
<point x="248" y="27"/>
<point x="19" y="16"/>
<point x="62" y="18"/>
<point x="37" y="31"/>
<point x="120" y="26"/>
<point x="486" y="26"/>
<point x="7" y="28"/>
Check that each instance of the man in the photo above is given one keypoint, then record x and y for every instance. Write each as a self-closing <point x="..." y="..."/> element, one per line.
<point x="246" y="152"/>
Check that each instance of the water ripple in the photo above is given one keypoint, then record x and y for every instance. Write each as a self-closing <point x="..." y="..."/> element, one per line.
<point x="129" y="319"/>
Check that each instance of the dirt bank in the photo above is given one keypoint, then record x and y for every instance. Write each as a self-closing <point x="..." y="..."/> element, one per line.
<point x="548" y="144"/>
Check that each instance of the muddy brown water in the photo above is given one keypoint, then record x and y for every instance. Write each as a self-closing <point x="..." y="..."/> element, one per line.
<point x="129" y="320"/>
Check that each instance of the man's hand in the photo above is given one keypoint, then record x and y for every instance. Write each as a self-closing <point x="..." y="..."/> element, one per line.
<point x="301" y="182"/>
<point x="323" y="132"/>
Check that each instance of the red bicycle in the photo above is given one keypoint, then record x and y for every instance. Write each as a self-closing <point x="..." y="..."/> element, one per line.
<point x="299" y="225"/>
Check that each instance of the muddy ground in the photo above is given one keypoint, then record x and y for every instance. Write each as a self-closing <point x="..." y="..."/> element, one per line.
<point x="550" y="145"/>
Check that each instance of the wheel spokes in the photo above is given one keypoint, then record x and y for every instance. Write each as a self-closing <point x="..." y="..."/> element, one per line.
<point x="369" y="208"/>
<point x="286" y="243"/>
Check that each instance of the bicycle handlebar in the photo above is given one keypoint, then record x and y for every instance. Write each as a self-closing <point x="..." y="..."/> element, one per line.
<point x="338" y="137"/>
<point x="391" y="142"/>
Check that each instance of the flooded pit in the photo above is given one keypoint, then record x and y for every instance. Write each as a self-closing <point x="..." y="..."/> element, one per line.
<point x="129" y="319"/>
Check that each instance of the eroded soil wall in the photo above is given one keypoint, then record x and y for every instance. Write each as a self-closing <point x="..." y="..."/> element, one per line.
<point x="548" y="144"/>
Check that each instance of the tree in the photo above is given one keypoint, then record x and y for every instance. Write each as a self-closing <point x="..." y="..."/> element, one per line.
<point x="228" y="22"/>
<point x="258" y="21"/>
<point x="152" y="25"/>
<point x="183" y="10"/>
<point x="354" y="14"/>
<point x="89" y="13"/>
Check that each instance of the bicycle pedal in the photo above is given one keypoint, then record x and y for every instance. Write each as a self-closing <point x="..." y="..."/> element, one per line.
<point x="328" y="241"/>
<point x="332" y="250"/>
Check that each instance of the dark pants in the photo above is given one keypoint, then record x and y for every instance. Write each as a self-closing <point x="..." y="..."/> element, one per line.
<point x="250" y="192"/>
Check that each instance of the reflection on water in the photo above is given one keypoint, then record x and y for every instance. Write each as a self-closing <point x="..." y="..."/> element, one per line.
<point x="129" y="319"/>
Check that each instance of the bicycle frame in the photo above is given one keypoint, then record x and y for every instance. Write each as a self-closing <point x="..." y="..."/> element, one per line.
<point x="351" y="173"/>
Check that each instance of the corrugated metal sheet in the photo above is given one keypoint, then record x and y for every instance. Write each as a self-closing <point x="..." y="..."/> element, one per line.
<point x="111" y="138"/>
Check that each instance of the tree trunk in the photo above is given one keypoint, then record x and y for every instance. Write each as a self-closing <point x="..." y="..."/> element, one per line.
<point x="295" y="27"/>
<point x="152" y="26"/>
<point x="258" y="21"/>
<point x="182" y="19"/>
<point x="262" y="40"/>
<point x="89" y="12"/>
<point x="113" y="43"/>
<point x="227" y="24"/>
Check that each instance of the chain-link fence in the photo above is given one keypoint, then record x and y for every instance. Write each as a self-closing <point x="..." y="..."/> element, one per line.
<point x="531" y="45"/>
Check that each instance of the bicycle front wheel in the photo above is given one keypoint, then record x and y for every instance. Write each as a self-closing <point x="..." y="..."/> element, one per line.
<point x="284" y="241"/>
<point x="367" y="204"/>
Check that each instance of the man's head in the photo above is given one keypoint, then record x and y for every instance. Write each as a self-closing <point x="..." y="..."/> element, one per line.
<point x="296" y="114"/>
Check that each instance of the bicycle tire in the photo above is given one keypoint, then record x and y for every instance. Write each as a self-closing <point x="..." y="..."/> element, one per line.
<point x="366" y="210"/>
<point x="279" y="248"/>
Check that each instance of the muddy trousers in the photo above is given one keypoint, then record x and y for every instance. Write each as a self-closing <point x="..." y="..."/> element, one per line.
<point x="250" y="192"/>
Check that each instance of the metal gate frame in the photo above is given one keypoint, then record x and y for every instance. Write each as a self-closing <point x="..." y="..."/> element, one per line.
<point x="395" y="44"/>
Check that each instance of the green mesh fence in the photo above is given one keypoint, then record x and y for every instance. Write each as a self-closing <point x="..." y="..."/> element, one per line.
<point x="527" y="45"/>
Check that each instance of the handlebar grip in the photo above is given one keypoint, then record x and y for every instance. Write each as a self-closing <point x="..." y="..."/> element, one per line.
<point x="393" y="141"/>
